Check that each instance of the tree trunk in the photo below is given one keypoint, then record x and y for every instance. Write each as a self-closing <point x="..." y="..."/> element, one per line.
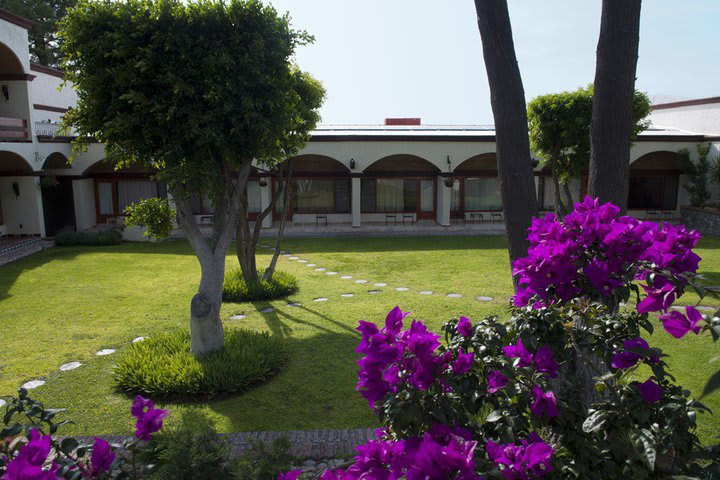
<point x="507" y="97"/>
<point x="568" y="197"/>
<point x="270" y="270"/>
<point x="611" y="126"/>
<point x="206" y="330"/>
<point x="560" y="209"/>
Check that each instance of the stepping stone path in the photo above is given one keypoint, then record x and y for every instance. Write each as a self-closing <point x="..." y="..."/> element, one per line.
<point x="482" y="298"/>
<point x="360" y="281"/>
<point x="138" y="339"/>
<point x="267" y="310"/>
<point x="402" y="289"/>
<point x="2" y="403"/>
<point x="293" y="258"/>
<point x="311" y="265"/>
<point x="346" y="277"/>
<point x="426" y="292"/>
<point x="33" y="384"/>
<point x="320" y="269"/>
<point x="105" y="351"/>
<point x="265" y="246"/>
<point x="454" y="295"/>
<point x="380" y="285"/>
<point x="283" y="251"/>
<point x="320" y="299"/>
<point x="302" y="261"/>
<point x="373" y="292"/>
<point x="238" y="317"/>
<point x="347" y="295"/>
<point x="294" y="304"/>
<point x="70" y="366"/>
<point x="330" y="273"/>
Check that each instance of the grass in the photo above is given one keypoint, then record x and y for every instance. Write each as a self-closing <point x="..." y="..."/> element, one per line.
<point x="65" y="304"/>
<point x="235" y="289"/>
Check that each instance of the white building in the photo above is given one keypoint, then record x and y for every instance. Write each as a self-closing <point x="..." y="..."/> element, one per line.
<point x="399" y="172"/>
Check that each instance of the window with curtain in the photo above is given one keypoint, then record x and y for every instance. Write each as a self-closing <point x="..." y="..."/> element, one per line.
<point x="548" y="202"/>
<point x="105" y="198"/>
<point x="427" y="195"/>
<point x="482" y="194"/>
<point x="132" y="191"/>
<point x="343" y="194"/>
<point x="389" y="195"/>
<point x="367" y="195"/>
<point x="456" y="197"/>
<point x="254" y="196"/>
<point x="312" y="194"/>
<point x="653" y="192"/>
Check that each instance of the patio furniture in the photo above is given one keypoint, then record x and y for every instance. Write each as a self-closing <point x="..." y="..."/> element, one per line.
<point x="206" y="219"/>
<point x="390" y="216"/>
<point x="321" y="215"/>
<point x="477" y="217"/>
<point x="408" y="216"/>
<point x="496" y="217"/>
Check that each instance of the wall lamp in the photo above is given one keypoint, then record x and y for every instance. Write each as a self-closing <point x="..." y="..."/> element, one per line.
<point x="262" y="182"/>
<point x="352" y="164"/>
<point x="6" y="92"/>
<point x="449" y="181"/>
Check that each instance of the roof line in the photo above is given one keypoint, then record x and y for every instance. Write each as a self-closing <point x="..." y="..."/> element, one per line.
<point x="686" y="103"/>
<point x="16" y="19"/>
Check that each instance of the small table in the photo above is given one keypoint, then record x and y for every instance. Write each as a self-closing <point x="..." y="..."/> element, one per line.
<point x="320" y="216"/>
<point x="475" y="216"/>
<point x="408" y="216"/>
<point x="496" y="217"/>
<point x="390" y="216"/>
<point x="206" y="219"/>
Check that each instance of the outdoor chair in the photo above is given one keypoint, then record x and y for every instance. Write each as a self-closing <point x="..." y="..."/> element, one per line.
<point x="321" y="215"/>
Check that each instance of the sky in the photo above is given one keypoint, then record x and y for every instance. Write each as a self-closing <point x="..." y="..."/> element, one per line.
<point x="423" y="58"/>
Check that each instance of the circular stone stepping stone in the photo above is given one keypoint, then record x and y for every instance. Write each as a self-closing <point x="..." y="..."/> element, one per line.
<point x="66" y="367"/>
<point x="293" y="258"/>
<point x="283" y="251"/>
<point x="319" y="269"/>
<point x="454" y="295"/>
<point x="483" y="298"/>
<point x="360" y="281"/>
<point x="238" y="317"/>
<point x="330" y="273"/>
<point x="267" y="310"/>
<point x="265" y="246"/>
<point x="294" y="304"/>
<point x="138" y="339"/>
<point x="320" y="299"/>
<point x="33" y="384"/>
<point x="2" y="403"/>
<point x="346" y="277"/>
<point x="373" y="292"/>
<point x="706" y="308"/>
<point x="402" y="289"/>
<point x="425" y="292"/>
<point x="302" y="261"/>
<point x="311" y="265"/>
<point x="380" y="285"/>
<point x="347" y="295"/>
<point x="105" y="351"/>
<point x="285" y="255"/>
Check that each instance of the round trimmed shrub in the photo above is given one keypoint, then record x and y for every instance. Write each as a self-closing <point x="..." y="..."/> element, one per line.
<point x="163" y="366"/>
<point x="236" y="290"/>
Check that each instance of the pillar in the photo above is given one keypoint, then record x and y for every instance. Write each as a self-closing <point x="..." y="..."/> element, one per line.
<point x="356" y="204"/>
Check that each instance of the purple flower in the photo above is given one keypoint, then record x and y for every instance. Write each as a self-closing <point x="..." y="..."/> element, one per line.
<point x="658" y="298"/>
<point x="464" y="327"/>
<point x="291" y="475"/>
<point x="678" y="325"/>
<point x="545" y="363"/>
<point x="496" y="381"/>
<point x="600" y="275"/>
<point x="649" y="390"/>
<point x="463" y="363"/>
<point x="149" y="418"/>
<point x="102" y="457"/>
<point x="531" y="459"/>
<point x="28" y="464"/>
<point x="394" y="320"/>
<point x="333" y="475"/>
<point x="544" y="404"/>
<point x="519" y="351"/>
<point x="628" y="358"/>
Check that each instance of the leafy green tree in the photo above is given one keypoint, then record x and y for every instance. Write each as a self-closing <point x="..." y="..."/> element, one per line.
<point x="559" y="125"/>
<point x="194" y="91"/>
<point x="698" y="173"/>
<point x="43" y="37"/>
<point x="154" y="213"/>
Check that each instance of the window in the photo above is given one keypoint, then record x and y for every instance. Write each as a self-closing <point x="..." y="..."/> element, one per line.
<point x="482" y="193"/>
<point x="312" y="194"/>
<point x="427" y="195"/>
<point x="114" y="195"/>
<point x="397" y="195"/>
<point x="254" y="197"/>
<point x="653" y="192"/>
<point x="132" y="191"/>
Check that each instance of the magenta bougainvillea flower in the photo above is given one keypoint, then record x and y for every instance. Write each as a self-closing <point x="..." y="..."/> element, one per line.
<point x="650" y="391"/>
<point x="678" y="325"/>
<point x="102" y="457"/>
<point x="531" y="459"/>
<point x="545" y="363"/>
<point x="660" y="296"/>
<point x="463" y="363"/>
<point x="544" y="403"/>
<point x="496" y="381"/>
<point x="628" y="358"/>
<point x="519" y="351"/>
<point x="149" y="419"/>
<point x="465" y="327"/>
<point x="30" y="462"/>
<point x="291" y="475"/>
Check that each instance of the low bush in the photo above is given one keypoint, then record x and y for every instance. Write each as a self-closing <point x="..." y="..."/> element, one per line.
<point x="163" y="365"/>
<point x="236" y="290"/>
<point x="263" y="462"/>
<point x="93" y="238"/>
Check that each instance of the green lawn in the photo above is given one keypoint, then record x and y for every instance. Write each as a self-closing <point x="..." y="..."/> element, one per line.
<point x="65" y="304"/>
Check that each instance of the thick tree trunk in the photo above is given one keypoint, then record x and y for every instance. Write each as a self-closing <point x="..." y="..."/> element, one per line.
<point x="507" y="97"/>
<point x="560" y="209"/>
<point x="569" y="202"/>
<point x="270" y="270"/>
<point x="611" y="126"/>
<point x="206" y="330"/>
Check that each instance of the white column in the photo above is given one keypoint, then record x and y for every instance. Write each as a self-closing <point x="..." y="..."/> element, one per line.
<point x="265" y="199"/>
<point x="356" y="204"/>
<point x="84" y="198"/>
<point x="39" y="206"/>
<point x="443" y="202"/>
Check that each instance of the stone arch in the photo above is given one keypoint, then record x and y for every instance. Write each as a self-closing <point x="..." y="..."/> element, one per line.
<point x="10" y="64"/>
<point x="402" y="164"/>
<point x="318" y="165"/>
<point x="482" y="163"/>
<point x="658" y="160"/>
<point x="56" y="161"/>
<point x="13" y="164"/>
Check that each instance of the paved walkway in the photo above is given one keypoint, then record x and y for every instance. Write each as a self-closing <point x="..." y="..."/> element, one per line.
<point x="23" y="251"/>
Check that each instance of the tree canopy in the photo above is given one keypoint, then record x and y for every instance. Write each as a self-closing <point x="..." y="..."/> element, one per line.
<point x="43" y="38"/>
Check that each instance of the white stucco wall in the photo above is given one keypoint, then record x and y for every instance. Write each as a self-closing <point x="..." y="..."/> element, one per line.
<point x="84" y="197"/>
<point x="695" y="118"/>
<point x="22" y="214"/>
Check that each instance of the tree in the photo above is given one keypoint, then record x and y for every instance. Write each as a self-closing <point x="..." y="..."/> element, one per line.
<point x="559" y="125"/>
<point x="195" y="92"/>
<point x="307" y="97"/>
<point x="699" y="173"/>
<point x="611" y="125"/>
<point x="507" y="97"/>
<point x="44" y="41"/>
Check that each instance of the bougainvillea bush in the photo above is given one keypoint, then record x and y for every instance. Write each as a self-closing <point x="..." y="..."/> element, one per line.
<point x="569" y="387"/>
<point x="30" y="450"/>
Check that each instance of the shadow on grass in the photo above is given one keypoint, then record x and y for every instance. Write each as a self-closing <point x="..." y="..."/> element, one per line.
<point x="280" y="322"/>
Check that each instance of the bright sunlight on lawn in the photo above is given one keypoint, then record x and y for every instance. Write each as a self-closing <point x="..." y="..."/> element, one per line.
<point x="67" y="303"/>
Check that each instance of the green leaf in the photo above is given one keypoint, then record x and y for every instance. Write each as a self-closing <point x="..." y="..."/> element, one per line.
<point x="643" y="442"/>
<point x="68" y="445"/>
<point x="712" y="385"/>
<point x="594" y="422"/>
<point x="494" y="416"/>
